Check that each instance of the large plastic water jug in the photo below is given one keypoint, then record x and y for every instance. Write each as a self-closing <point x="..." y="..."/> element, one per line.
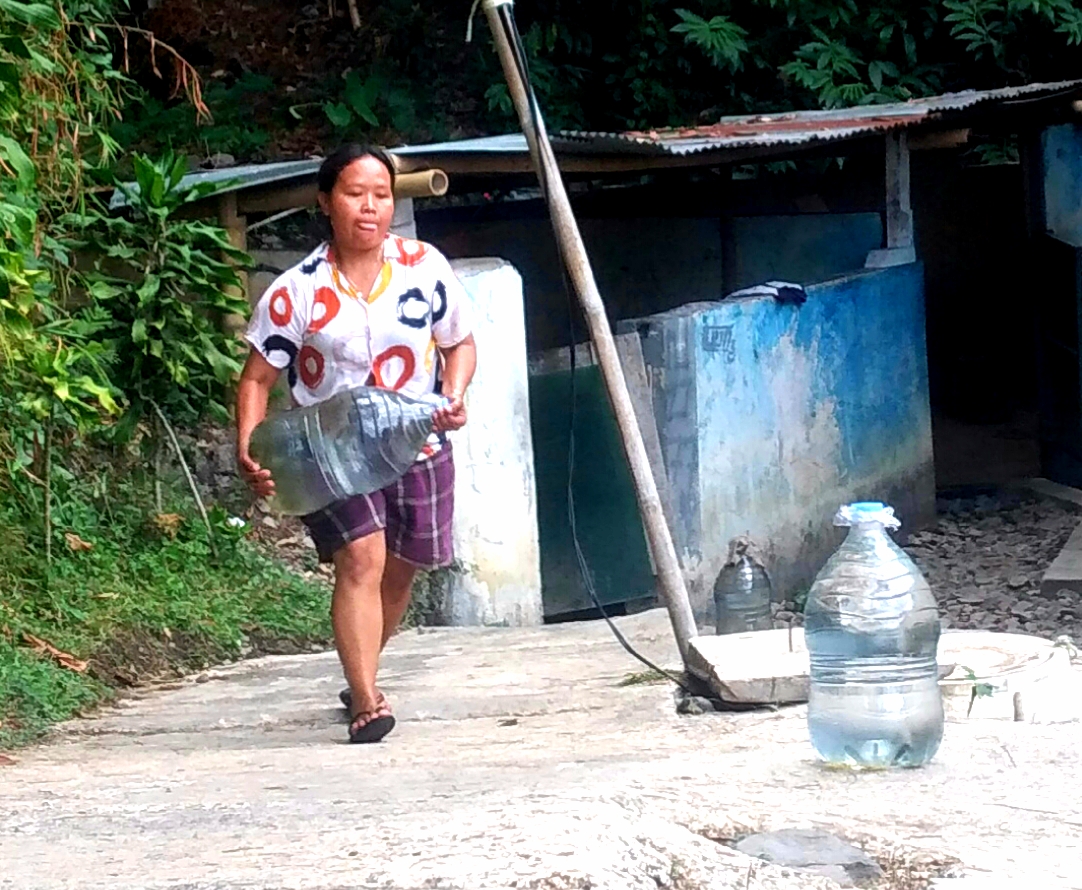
<point x="742" y="591"/>
<point x="358" y="441"/>
<point x="872" y="631"/>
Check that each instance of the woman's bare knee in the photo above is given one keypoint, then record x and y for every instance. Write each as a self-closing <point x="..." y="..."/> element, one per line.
<point x="360" y="563"/>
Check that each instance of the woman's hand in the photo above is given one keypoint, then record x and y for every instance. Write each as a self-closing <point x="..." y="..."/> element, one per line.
<point x="254" y="388"/>
<point x="258" y="479"/>
<point x="459" y="362"/>
<point x="453" y="417"/>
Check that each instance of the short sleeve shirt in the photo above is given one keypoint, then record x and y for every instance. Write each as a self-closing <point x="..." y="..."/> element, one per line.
<point x="314" y="323"/>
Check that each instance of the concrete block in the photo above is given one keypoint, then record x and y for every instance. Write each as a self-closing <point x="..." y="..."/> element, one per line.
<point x="753" y="668"/>
<point x="1048" y="488"/>
<point x="1065" y="573"/>
<point x="890" y="256"/>
<point x="495" y="531"/>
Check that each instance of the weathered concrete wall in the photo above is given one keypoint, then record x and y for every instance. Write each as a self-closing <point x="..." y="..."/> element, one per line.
<point x="800" y="248"/>
<point x="1061" y="157"/>
<point x="496" y="537"/>
<point x="771" y="416"/>
<point x="642" y="264"/>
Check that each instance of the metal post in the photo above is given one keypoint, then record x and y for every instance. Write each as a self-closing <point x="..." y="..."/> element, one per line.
<point x="670" y="577"/>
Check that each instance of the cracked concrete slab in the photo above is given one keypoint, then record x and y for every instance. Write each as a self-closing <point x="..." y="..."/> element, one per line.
<point x="519" y="761"/>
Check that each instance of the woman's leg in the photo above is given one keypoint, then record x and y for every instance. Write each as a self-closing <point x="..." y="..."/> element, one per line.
<point x="395" y="592"/>
<point x="357" y="615"/>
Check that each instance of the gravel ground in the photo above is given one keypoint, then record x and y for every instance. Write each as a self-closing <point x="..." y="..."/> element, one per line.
<point x="985" y="557"/>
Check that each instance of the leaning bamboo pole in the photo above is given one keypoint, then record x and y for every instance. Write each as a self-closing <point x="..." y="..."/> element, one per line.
<point x="573" y="250"/>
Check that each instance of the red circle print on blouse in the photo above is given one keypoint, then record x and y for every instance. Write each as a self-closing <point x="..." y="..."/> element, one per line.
<point x="325" y="306"/>
<point x="410" y="253"/>
<point x="311" y="367"/>
<point x="281" y="307"/>
<point x="405" y="354"/>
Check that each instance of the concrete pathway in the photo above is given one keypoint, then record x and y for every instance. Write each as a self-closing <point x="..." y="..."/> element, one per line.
<point x="519" y="761"/>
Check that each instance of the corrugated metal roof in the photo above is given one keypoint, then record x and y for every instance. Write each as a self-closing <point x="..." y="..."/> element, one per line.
<point x="741" y="133"/>
<point x="243" y="176"/>
<point x="513" y="143"/>
<point x="802" y="127"/>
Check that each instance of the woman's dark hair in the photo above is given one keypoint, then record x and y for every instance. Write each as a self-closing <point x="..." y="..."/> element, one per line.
<point x="345" y="155"/>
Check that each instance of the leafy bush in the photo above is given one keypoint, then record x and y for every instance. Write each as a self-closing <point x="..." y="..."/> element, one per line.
<point x="163" y="285"/>
<point x="133" y="597"/>
<point x="152" y="123"/>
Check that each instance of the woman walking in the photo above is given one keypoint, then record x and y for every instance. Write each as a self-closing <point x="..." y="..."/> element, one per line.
<point x="366" y="308"/>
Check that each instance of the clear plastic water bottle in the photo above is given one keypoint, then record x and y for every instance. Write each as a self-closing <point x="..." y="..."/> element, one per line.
<point x="358" y="441"/>
<point x="872" y="631"/>
<point x="742" y="591"/>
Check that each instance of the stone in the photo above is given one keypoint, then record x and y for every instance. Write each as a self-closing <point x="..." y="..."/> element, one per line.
<point x="814" y="851"/>
<point x="220" y="159"/>
<point x="1017" y="582"/>
<point x="971" y="596"/>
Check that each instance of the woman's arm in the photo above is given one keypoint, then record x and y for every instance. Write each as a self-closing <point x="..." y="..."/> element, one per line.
<point x="459" y="363"/>
<point x="256" y="381"/>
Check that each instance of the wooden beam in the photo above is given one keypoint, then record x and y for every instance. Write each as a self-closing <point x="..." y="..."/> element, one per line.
<point x="939" y="139"/>
<point x="900" y="248"/>
<point x="275" y="198"/>
<point x="629" y="348"/>
<point x="899" y="210"/>
<point x="236" y="226"/>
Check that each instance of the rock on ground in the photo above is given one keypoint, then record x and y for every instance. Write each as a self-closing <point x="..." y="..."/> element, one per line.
<point x="985" y="559"/>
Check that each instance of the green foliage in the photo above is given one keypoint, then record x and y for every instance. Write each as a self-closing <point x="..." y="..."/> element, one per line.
<point x="101" y="316"/>
<point x="720" y="38"/>
<point x="659" y="63"/>
<point x="557" y="85"/>
<point x="164" y="283"/>
<point x="154" y="125"/>
<point x="136" y="592"/>
<point x="142" y="325"/>
<point x="362" y="99"/>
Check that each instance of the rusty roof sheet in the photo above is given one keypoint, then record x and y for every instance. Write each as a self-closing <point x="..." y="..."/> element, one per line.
<point x="802" y="127"/>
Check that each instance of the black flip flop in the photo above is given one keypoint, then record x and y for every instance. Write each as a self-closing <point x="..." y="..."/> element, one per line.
<point x="346" y="698"/>
<point x="373" y="731"/>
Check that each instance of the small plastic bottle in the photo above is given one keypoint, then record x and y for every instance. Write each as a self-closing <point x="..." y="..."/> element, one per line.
<point x="358" y="441"/>
<point x="872" y="631"/>
<point x="742" y="591"/>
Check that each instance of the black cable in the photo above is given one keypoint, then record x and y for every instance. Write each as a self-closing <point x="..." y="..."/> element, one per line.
<point x="507" y="20"/>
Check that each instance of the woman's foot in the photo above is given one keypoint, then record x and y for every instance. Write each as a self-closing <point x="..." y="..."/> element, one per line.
<point x="371" y="726"/>
<point x="346" y="698"/>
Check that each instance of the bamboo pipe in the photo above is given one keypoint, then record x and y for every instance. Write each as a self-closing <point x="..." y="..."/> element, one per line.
<point x="421" y="184"/>
<point x="670" y="577"/>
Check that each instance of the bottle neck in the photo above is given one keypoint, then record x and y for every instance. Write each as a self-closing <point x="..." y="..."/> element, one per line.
<point x="864" y="529"/>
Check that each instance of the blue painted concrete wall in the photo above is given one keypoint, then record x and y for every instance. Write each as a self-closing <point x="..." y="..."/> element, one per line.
<point x="1061" y="156"/>
<point x="804" y="247"/>
<point x="771" y="416"/>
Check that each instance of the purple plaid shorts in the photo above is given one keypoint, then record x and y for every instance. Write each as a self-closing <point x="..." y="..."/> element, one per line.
<point x="415" y="513"/>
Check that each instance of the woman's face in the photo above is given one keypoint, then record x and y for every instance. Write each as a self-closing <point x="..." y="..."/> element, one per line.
<point x="360" y="206"/>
